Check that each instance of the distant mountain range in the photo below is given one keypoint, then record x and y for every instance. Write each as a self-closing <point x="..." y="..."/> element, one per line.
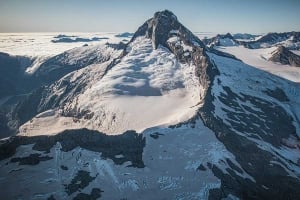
<point x="289" y="40"/>
<point x="284" y="41"/>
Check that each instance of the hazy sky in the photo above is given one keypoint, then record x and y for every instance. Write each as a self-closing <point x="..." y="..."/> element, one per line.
<point x="253" y="16"/>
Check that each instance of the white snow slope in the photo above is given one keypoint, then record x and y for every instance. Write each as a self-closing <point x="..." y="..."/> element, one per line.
<point x="259" y="58"/>
<point x="148" y="88"/>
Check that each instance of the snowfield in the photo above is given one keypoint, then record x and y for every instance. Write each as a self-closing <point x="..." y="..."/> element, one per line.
<point x="259" y="58"/>
<point x="148" y="88"/>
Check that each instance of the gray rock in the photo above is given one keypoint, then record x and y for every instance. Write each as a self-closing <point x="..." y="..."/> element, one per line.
<point x="285" y="57"/>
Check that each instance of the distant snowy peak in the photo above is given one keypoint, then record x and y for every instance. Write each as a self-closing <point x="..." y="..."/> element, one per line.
<point x="290" y="40"/>
<point x="221" y="40"/>
<point x="245" y="36"/>
<point x="278" y="37"/>
<point x="284" y="56"/>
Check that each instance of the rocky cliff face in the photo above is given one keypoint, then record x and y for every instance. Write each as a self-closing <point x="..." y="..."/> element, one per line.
<point x="250" y="117"/>
<point x="286" y="57"/>
<point x="162" y="26"/>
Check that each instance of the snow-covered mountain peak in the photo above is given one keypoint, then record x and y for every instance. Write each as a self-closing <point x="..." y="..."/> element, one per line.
<point x="159" y="79"/>
<point x="148" y="87"/>
<point x="163" y="26"/>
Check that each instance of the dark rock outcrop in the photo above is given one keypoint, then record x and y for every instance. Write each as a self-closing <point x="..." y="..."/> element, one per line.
<point x="129" y="144"/>
<point x="81" y="180"/>
<point x="161" y="27"/>
<point x="32" y="159"/>
<point x="94" y="195"/>
<point x="285" y="57"/>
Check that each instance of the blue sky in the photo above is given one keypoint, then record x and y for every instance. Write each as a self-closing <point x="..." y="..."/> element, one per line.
<point x="252" y="16"/>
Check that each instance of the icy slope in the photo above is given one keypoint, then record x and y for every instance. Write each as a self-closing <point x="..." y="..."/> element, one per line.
<point x="76" y="56"/>
<point x="26" y="90"/>
<point x="58" y="66"/>
<point x="147" y="88"/>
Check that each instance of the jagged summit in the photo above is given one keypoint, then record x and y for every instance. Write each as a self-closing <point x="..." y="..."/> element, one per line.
<point x="165" y="14"/>
<point x="164" y="25"/>
<point x="165" y="29"/>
